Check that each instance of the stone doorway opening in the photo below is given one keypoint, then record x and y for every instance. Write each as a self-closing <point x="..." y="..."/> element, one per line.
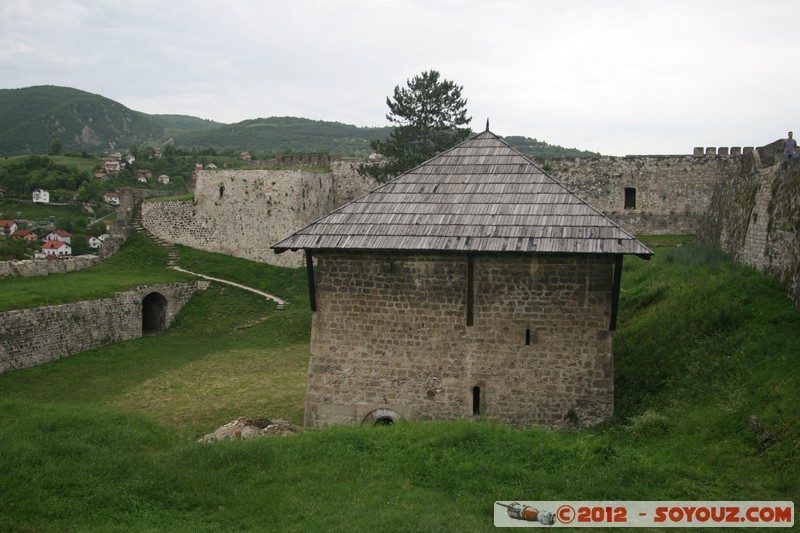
<point x="381" y="417"/>
<point x="154" y="313"/>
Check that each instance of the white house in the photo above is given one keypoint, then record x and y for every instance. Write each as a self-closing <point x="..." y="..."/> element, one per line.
<point x="163" y="179"/>
<point x="7" y="227"/>
<point x="111" y="198"/>
<point x="94" y="242"/>
<point x="59" y="235"/>
<point x="41" y="196"/>
<point x="56" y="249"/>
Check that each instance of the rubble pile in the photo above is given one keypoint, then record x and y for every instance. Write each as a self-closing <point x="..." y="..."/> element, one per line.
<point x="245" y="428"/>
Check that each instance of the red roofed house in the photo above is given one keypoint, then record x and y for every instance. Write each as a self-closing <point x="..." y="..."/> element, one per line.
<point x="56" y="249"/>
<point x="59" y="235"/>
<point x="111" y="198"/>
<point x="112" y="166"/>
<point x="7" y="227"/>
<point x="25" y="234"/>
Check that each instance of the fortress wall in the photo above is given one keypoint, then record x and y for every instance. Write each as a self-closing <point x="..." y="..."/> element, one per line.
<point x="29" y="337"/>
<point x="672" y="193"/>
<point x="39" y="267"/>
<point x="243" y="212"/>
<point x="755" y="218"/>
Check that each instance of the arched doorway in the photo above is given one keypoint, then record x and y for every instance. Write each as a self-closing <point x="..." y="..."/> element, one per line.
<point x="381" y="417"/>
<point x="154" y="313"/>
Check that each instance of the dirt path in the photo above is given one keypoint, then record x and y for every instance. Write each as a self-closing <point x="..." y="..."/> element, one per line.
<point x="272" y="297"/>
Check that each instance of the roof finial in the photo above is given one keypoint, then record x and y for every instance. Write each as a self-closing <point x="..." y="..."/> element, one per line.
<point x="487" y="124"/>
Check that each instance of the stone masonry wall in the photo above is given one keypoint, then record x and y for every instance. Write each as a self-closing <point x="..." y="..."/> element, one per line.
<point x="672" y="192"/>
<point x="30" y="337"/>
<point x="243" y="212"/>
<point x="756" y="220"/>
<point x="43" y="267"/>
<point x="390" y="333"/>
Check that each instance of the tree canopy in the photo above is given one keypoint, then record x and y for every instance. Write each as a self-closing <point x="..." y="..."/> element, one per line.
<point x="429" y="115"/>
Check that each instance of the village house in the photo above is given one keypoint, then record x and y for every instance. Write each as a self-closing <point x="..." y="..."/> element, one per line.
<point x="40" y="196"/>
<point x="111" y="198"/>
<point x="247" y="156"/>
<point x="59" y="235"/>
<point x="25" y="235"/>
<point x="143" y="175"/>
<point x="56" y="249"/>
<point x="163" y="179"/>
<point x="473" y="285"/>
<point x="8" y="227"/>
<point x="94" y="242"/>
<point x="112" y="165"/>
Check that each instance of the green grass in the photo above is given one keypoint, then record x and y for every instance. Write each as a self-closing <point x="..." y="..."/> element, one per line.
<point x="30" y="211"/>
<point x="105" y="440"/>
<point x="139" y="262"/>
<point x="665" y="240"/>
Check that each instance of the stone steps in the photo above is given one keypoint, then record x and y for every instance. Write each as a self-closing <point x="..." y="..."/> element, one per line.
<point x="173" y="255"/>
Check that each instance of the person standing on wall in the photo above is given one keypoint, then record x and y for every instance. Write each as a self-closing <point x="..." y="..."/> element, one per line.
<point x="789" y="148"/>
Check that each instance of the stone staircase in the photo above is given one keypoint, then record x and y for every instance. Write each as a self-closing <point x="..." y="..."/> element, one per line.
<point x="173" y="255"/>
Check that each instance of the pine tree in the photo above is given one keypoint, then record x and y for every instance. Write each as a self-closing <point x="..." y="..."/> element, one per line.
<point x="429" y="116"/>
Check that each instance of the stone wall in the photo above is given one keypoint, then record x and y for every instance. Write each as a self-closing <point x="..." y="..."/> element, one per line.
<point x="672" y="193"/>
<point x="30" y="337"/>
<point x="390" y="335"/>
<point x="45" y="267"/>
<point x="243" y="212"/>
<point x="756" y="220"/>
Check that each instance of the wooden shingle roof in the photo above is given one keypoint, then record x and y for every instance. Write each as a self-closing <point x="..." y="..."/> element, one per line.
<point x="479" y="196"/>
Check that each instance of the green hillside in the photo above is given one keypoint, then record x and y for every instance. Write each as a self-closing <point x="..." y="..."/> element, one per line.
<point x="278" y="135"/>
<point x="105" y="440"/>
<point x="175" y="123"/>
<point x="32" y="118"/>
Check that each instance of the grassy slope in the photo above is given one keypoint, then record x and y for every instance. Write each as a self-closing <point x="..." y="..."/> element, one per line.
<point x="101" y="441"/>
<point x="139" y="262"/>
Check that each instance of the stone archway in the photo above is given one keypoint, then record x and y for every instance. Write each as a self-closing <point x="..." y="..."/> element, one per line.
<point x="381" y="417"/>
<point x="154" y="313"/>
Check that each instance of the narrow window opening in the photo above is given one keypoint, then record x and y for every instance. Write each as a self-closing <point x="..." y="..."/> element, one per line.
<point x="528" y="337"/>
<point x="476" y="400"/>
<point x="630" y="198"/>
<point x="221" y="189"/>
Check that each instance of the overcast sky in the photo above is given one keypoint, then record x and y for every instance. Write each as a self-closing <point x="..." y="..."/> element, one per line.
<point x="616" y="77"/>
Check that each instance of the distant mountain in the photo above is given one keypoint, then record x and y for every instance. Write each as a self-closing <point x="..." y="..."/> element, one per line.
<point x="533" y="148"/>
<point x="277" y="135"/>
<point x="33" y="117"/>
<point x="184" y="123"/>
